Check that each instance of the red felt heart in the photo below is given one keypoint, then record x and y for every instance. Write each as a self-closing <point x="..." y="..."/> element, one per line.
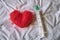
<point x="21" y="19"/>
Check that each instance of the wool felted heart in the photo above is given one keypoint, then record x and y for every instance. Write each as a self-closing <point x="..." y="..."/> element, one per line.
<point x="21" y="19"/>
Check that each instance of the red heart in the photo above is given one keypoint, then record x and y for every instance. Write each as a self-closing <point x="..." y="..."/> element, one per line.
<point x="21" y="19"/>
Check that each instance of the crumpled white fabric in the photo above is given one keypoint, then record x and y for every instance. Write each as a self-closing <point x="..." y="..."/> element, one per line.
<point x="9" y="31"/>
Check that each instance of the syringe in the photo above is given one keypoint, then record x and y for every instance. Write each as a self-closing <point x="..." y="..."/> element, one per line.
<point x="41" y="20"/>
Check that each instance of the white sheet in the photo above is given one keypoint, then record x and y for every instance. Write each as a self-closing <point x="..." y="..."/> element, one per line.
<point x="9" y="31"/>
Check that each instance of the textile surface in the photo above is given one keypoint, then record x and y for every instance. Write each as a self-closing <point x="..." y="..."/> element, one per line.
<point x="9" y="31"/>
